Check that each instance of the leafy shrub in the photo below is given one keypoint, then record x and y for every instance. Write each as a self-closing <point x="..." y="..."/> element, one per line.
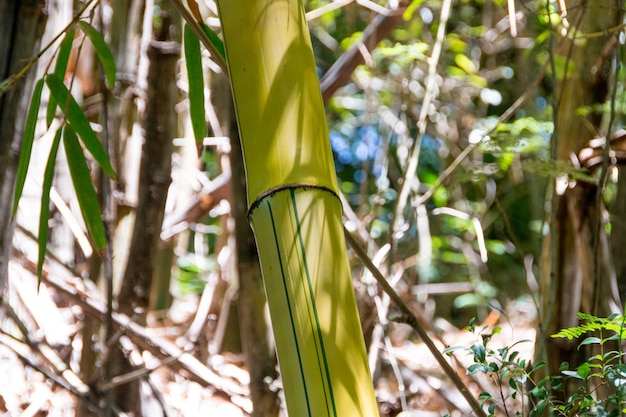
<point x="519" y="392"/>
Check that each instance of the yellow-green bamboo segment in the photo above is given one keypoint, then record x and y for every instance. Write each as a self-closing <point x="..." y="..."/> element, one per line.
<point x="294" y="209"/>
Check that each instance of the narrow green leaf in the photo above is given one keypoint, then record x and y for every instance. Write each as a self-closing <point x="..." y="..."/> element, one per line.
<point x="573" y="374"/>
<point x="59" y="69"/>
<point x="590" y="341"/>
<point x="27" y="143"/>
<point x="584" y="370"/>
<point x="79" y="123"/>
<point x="484" y="396"/>
<point x="3" y="84"/>
<point x="540" y="407"/>
<point x="102" y="50"/>
<point x="556" y="384"/>
<point x="215" y="40"/>
<point x="471" y="325"/>
<point x="475" y="368"/>
<point x="48" y="176"/>
<point x="542" y="364"/>
<point x="193" y="61"/>
<point x="450" y="350"/>
<point x="480" y="353"/>
<point x="85" y="191"/>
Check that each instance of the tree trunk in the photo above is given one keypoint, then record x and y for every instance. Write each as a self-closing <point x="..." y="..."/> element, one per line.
<point x="569" y="278"/>
<point x="159" y="125"/>
<point x="255" y="332"/>
<point x="21" y="27"/>
<point x="251" y="303"/>
<point x="618" y="232"/>
<point x="124" y="32"/>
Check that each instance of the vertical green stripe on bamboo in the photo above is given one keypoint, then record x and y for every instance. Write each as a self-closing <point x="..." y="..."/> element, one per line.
<point x="298" y="369"/>
<point x="314" y="319"/>
<point x="317" y="329"/>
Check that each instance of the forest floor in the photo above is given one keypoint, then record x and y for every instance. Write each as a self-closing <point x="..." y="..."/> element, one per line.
<point x="40" y="347"/>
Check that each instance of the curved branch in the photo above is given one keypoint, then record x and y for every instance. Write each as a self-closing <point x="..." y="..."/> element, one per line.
<point x="339" y="73"/>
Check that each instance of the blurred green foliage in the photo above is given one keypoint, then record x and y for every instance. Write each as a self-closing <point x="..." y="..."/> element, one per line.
<point x="501" y="184"/>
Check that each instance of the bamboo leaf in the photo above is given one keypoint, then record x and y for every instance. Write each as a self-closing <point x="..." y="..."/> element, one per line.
<point x="215" y="40"/>
<point x="27" y="143"/>
<point x="3" y="84"/>
<point x="59" y="69"/>
<point x="85" y="191"/>
<point x="42" y="236"/>
<point x="102" y="50"/>
<point x="79" y="123"/>
<point x="193" y="60"/>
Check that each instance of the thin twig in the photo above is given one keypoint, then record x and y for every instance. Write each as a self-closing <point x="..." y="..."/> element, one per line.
<point x="55" y="378"/>
<point x="197" y="30"/>
<point x="410" y="178"/>
<point x="512" y="22"/>
<point x="138" y="334"/>
<point x="604" y="171"/>
<point x="7" y="84"/>
<point x="415" y="321"/>
<point x="327" y="8"/>
<point x="140" y="373"/>
<point x="503" y="118"/>
<point x="339" y="73"/>
<point x="63" y="377"/>
<point x="50" y="356"/>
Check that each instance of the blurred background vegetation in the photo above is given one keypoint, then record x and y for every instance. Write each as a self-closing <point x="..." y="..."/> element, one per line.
<point x="469" y="146"/>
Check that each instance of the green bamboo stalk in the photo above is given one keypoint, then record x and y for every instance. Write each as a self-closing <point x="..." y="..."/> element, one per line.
<point x="294" y="209"/>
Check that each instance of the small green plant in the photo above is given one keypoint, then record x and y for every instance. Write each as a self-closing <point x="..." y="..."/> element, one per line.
<point x="599" y="383"/>
<point x="601" y="379"/>
<point x="510" y="373"/>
